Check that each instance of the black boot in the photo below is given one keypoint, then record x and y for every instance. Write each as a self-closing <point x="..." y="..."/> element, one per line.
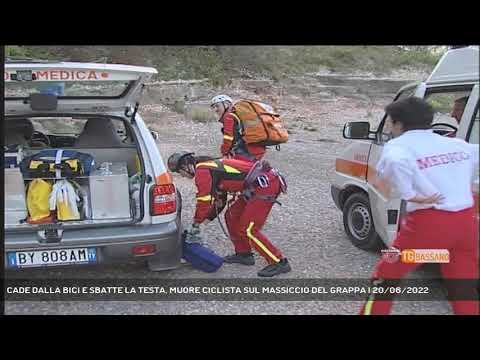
<point x="274" y="269"/>
<point x="240" y="258"/>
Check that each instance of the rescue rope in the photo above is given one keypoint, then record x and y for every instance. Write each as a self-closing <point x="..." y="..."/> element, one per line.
<point x="219" y="221"/>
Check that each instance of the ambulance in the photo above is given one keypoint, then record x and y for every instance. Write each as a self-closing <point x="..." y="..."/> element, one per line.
<point x="127" y="209"/>
<point x="371" y="208"/>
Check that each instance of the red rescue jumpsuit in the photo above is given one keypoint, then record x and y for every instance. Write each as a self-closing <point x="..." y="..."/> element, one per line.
<point x="232" y="142"/>
<point x="434" y="229"/>
<point x="245" y="218"/>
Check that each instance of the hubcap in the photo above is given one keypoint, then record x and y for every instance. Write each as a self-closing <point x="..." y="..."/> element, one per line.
<point x="359" y="221"/>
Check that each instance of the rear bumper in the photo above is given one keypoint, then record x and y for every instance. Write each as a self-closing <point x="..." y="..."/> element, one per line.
<point x="335" y="191"/>
<point x="113" y="244"/>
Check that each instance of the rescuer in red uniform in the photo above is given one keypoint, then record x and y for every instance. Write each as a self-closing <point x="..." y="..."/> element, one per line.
<point x="259" y="185"/>
<point x="233" y="145"/>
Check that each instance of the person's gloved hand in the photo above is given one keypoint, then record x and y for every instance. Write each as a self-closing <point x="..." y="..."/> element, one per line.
<point x="193" y="234"/>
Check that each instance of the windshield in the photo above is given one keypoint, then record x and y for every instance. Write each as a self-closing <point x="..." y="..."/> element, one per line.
<point x="87" y="89"/>
<point x="41" y="131"/>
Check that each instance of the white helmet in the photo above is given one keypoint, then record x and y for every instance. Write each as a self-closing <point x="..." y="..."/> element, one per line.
<point x="220" y="98"/>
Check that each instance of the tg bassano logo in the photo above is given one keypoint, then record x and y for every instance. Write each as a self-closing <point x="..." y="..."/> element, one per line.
<point x="416" y="256"/>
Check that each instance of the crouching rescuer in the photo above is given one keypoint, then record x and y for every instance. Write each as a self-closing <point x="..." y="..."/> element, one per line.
<point x="259" y="186"/>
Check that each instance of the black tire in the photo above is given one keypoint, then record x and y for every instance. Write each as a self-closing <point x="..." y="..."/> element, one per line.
<point x="358" y="223"/>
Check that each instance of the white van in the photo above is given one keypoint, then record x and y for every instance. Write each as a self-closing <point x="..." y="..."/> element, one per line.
<point x="371" y="209"/>
<point x="130" y="208"/>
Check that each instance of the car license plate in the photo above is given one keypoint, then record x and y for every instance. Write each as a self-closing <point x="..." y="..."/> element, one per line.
<point x="51" y="257"/>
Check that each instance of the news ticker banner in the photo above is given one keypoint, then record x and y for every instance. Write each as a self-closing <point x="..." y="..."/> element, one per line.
<point x="235" y="290"/>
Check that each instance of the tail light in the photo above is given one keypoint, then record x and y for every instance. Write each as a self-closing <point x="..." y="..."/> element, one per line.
<point x="143" y="250"/>
<point x="163" y="200"/>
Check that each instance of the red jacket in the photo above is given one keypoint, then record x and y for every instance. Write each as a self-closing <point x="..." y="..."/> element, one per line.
<point x="214" y="177"/>
<point x="231" y="137"/>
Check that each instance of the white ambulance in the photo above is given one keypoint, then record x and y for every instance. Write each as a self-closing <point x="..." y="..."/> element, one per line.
<point x="128" y="206"/>
<point x="371" y="208"/>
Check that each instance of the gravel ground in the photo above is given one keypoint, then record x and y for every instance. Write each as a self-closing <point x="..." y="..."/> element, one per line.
<point x="307" y="227"/>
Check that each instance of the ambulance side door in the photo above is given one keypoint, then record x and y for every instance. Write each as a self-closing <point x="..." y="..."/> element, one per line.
<point x="442" y="99"/>
<point x="384" y="204"/>
<point x="470" y="131"/>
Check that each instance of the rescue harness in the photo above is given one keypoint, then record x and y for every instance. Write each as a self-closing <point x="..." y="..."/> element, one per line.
<point x="256" y="178"/>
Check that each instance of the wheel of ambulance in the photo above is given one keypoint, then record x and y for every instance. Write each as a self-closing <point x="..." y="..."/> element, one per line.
<point x="358" y="223"/>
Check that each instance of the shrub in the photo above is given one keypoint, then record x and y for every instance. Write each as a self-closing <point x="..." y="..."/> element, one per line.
<point x="201" y="114"/>
<point x="27" y="51"/>
<point x="179" y="106"/>
<point x="221" y="63"/>
<point x="15" y="51"/>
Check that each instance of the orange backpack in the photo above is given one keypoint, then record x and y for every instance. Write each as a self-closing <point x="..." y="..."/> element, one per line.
<point x="259" y="124"/>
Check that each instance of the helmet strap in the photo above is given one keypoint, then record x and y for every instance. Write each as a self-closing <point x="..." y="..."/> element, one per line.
<point x="224" y="110"/>
<point x="190" y="169"/>
<point x="187" y="165"/>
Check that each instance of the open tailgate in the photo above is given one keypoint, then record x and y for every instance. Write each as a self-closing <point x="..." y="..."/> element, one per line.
<point x="79" y="87"/>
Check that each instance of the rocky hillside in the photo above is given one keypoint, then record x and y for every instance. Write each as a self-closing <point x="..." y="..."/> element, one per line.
<point x="221" y="64"/>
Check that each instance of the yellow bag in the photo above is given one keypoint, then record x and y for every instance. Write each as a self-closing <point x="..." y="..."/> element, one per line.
<point x="65" y="212"/>
<point x="64" y="198"/>
<point x="37" y="199"/>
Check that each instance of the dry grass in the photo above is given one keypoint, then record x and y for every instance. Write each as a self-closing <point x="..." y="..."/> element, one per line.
<point x="200" y="114"/>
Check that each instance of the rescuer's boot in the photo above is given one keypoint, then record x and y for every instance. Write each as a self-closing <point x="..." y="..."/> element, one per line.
<point x="240" y="258"/>
<point x="274" y="269"/>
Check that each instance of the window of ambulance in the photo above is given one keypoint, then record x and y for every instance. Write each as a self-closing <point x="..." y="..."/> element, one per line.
<point x="449" y="104"/>
<point x="55" y="131"/>
<point x="72" y="89"/>
<point x="64" y="126"/>
<point x="384" y="130"/>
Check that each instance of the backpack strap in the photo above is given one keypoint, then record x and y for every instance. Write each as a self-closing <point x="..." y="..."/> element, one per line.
<point x="213" y="165"/>
<point x="239" y="146"/>
<point x="240" y="128"/>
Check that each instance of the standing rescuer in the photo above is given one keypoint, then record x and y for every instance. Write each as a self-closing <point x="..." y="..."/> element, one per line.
<point x="440" y="209"/>
<point x="259" y="185"/>
<point x="233" y="145"/>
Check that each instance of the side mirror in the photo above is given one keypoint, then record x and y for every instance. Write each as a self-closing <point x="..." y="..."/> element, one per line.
<point x="155" y="134"/>
<point x="357" y="130"/>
